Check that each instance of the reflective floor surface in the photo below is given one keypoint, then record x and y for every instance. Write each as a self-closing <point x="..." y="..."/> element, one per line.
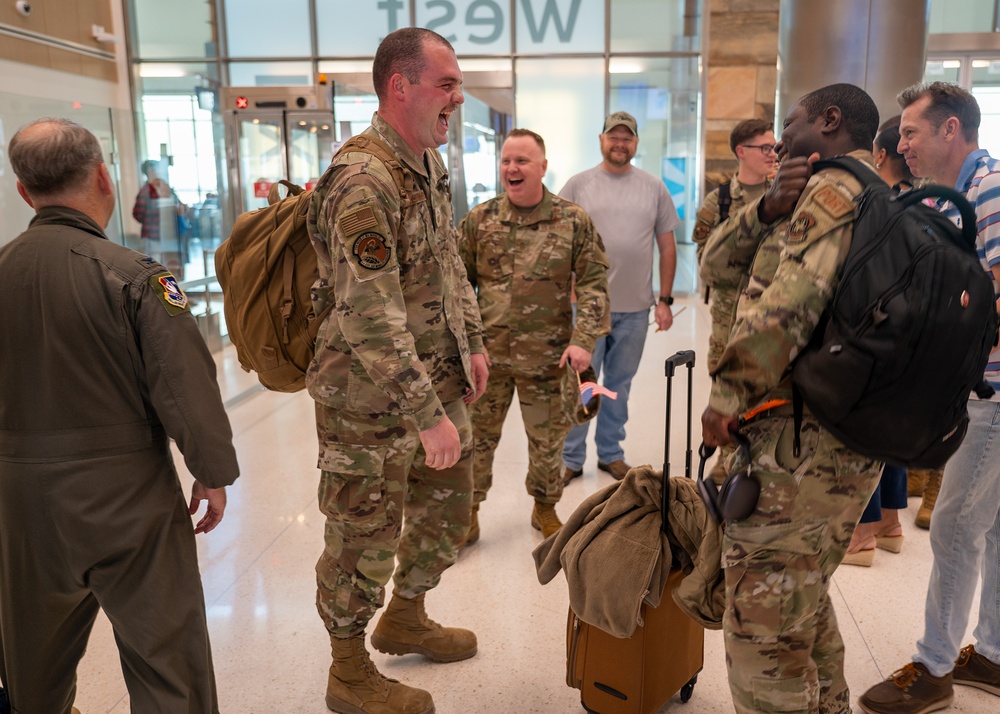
<point x="271" y="651"/>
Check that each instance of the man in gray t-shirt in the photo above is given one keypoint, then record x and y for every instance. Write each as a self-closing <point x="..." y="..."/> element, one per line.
<point x="631" y="209"/>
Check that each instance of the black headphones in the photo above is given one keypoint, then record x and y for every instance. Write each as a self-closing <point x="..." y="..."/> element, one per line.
<point x="738" y="496"/>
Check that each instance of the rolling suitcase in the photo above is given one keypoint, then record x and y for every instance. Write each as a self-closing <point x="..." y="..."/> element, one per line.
<point x="639" y="674"/>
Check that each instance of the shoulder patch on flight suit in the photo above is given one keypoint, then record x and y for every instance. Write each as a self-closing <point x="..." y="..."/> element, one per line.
<point x="357" y="220"/>
<point x="371" y="250"/>
<point x="798" y="229"/>
<point x="169" y="293"/>
<point x="833" y="201"/>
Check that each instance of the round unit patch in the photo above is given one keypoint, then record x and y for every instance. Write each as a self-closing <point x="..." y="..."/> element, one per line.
<point x="371" y="250"/>
<point x="799" y="228"/>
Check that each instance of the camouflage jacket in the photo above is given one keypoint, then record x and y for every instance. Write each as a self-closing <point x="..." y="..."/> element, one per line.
<point x="523" y="267"/>
<point x="792" y="280"/>
<point x="405" y="319"/>
<point x="708" y="214"/>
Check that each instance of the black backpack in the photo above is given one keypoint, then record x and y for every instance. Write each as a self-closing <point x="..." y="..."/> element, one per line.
<point x="909" y="330"/>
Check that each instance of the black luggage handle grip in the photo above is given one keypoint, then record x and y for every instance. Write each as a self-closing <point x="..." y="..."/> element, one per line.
<point x="685" y="357"/>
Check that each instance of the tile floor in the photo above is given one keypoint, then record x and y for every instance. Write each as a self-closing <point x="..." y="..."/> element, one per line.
<point x="271" y="651"/>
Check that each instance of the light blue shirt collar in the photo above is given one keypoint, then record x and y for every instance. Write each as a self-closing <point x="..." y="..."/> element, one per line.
<point x="969" y="167"/>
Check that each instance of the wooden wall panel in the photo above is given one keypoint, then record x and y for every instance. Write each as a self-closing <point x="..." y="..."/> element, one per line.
<point x="69" y="20"/>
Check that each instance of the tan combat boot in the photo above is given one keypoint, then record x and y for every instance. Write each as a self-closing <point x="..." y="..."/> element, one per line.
<point x="544" y="518"/>
<point x="355" y="686"/>
<point x="473" y="534"/>
<point x="404" y="628"/>
<point x="916" y="481"/>
<point x="923" y="519"/>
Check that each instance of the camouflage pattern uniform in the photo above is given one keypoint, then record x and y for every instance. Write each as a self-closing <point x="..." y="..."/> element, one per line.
<point x="724" y="293"/>
<point x="523" y="264"/>
<point x="392" y="359"/>
<point x="783" y="649"/>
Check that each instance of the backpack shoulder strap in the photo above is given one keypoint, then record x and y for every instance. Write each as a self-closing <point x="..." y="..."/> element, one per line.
<point x="851" y="165"/>
<point x="406" y="185"/>
<point x="725" y="201"/>
<point x="909" y="198"/>
<point x="935" y="191"/>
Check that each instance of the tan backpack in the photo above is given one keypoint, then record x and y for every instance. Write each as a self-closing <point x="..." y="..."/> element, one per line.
<point x="267" y="268"/>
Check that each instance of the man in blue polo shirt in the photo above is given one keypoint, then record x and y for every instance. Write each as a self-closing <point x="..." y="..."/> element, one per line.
<point x="940" y="140"/>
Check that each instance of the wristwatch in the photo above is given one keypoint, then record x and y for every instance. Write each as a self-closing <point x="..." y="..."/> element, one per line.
<point x="667" y="299"/>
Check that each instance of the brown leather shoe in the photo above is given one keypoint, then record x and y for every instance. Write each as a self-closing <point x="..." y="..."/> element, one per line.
<point x="974" y="670"/>
<point x="570" y="474"/>
<point x="910" y="690"/>
<point x="617" y="469"/>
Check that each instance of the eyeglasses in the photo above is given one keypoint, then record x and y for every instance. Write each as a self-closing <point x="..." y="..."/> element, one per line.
<point x="764" y="148"/>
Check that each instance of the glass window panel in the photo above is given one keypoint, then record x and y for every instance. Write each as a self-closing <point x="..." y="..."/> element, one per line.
<point x="270" y="74"/>
<point x="262" y="28"/>
<point x="655" y="26"/>
<point x="182" y="135"/>
<point x="576" y="87"/>
<point x="942" y="70"/>
<point x="188" y="143"/>
<point x="471" y="26"/>
<point x="479" y="153"/>
<point x="16" y="111"/>
<point x="352" y="110"/>
<point x="369" y="23"/>
<point x="555" y="27"/>
<point x="179" y="28"/>
<point x="975" y="16"/>
<point x="986" y="90"/>
<point x="157" y="134"/>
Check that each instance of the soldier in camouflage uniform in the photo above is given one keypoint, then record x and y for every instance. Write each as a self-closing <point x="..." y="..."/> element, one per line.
<point x="783" y="649"/>
<point x="522" y="250"/>
<point x="396" y="362"/>
<point x="752" y="142"/>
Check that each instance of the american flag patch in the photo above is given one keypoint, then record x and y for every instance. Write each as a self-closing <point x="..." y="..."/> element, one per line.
<point x="357" y="221"/>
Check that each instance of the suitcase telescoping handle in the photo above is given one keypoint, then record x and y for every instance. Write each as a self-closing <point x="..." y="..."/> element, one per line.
<point x="684" y="357"/>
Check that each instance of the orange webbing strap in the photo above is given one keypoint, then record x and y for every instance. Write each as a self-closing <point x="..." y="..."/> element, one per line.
<point x="772" y="404"/>
<point x="761" y="408"/>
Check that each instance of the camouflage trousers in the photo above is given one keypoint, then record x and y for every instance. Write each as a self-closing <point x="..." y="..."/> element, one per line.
<point x="383" y="505"/>
<point x="783" y="649"/>
<point x="723" y="311"/>
<point x="539" y="394"/>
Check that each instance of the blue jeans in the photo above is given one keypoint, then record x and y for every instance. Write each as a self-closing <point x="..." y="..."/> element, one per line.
<point x="965" y="532"/>
<point x="617" y="355"/>
<point x="890" y="494"/>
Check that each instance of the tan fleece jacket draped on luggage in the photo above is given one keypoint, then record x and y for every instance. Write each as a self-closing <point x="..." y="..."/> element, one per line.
<point x="615" y="555"/>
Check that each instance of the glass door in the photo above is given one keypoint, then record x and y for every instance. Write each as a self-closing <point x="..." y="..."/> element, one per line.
<point x="261" y="156"/>
<point x="310" y="146"/>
